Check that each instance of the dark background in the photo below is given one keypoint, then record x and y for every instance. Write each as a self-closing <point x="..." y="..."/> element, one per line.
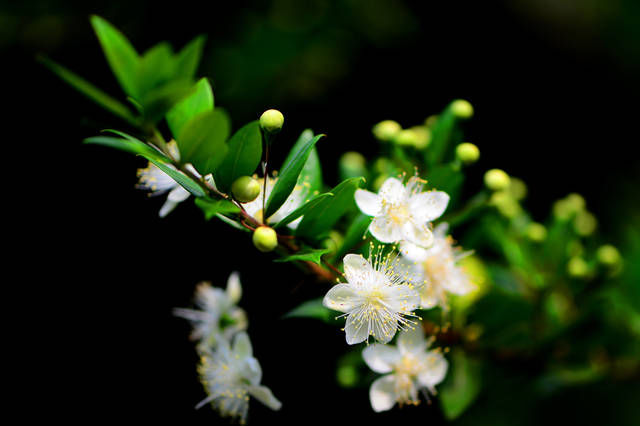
<point x="555" y="91"/>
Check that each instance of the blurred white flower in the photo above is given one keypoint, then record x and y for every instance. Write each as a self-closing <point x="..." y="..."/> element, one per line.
<point x="158" y="182"/>
<point x="218" y="317"/>
<point x="436" y="267"/>
<point x="402" y="213"/>
<point x="230" y="374"/>
<point x="411" y="367"/>
<point x="298" y="197"/>
<point x="375" y="299"/>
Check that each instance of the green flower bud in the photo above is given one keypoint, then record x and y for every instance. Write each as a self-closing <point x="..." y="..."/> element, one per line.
<point x="562" y="210"/>
<point x="517" y="188"/>
<point x="608" y="255"/>
<point x="386" y="130"/>
<point x="265" y="239"/>
<point x="431" y="120"/>
<point x="576" y="202"/>
<point x="496" y="180"/>
<point x="577" y="267"/>
<point x="507" y="205"/>
<point x="347" y="376"/>
<point x="536" y="232"/>
<point x="352" y="164"/>
<point x="271" y="121"/>
<point x="423" y="136"/>
<point x="467" y="152"/>
<point x="405" y="137"/>
<point x="462" y="108"/>
<point x="245" y="189"/>
<point x="585" y="223"/>
<point x="334" y="241"/>
<point x="379" y="181"/>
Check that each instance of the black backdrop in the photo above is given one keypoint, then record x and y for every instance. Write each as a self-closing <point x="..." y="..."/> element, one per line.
<point x="552" y="107"/>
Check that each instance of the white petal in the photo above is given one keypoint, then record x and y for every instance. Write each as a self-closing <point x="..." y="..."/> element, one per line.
<point x="413" y="252"/>
<point x="412" y="340"/>
<point x="441" y="230"/>
<point x="428" y="206"/>
<point x="356" y="268"/>
<point x="384" y="329"/>
<point x="392" y="191"/>
<point x="368" y="202"/>
<point x="418" y="234"/>
<point x="342" y="297"/>
<point x="167" y="208"/>
<point x="242" y="345"/>
<point x="435" y="369"/>
<point x="251" y="370"/>
<point x="178" y="194"/>
<point x="264" y="395"/>
<point x="356" y="330"/>
<point x="383" y="394"/>
<point x="385" y="230"/>
<point x="380" y="358"/>
<point x="403" y="298"/>
<point x="234" y="288"/>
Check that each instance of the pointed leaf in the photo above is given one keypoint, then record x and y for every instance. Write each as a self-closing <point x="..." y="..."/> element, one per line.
<point x="202" y="140"/>
<point x="211" y="207"/>
<point x="243" y="156"/>
<point x="201" y="100"/>
<point x="312" y="309"/>
<point x="156" y="102"/>
<point x="185" y="181"/>
<point x="354" y="235"/>
<point x="155" y="67"/>
<point x="308" y="206"/>
<point x="133" y="146"/>
<point x="231" y="222"/>
<point x="187" y="60"/>
<point x="309" y="255"/>
<point x="311" y="173"/>
<point x="461" y="387"/>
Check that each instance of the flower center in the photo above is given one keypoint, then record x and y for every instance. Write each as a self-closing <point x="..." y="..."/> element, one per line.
<point x="398" y="213"/>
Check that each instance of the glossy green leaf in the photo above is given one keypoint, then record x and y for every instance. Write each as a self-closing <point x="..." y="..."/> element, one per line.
<point x="321" y="219"/>
<point x="155" y="67"/>
<point x="311" y="173"/>
<point x="201" y="100"/>
<point x="309" y="255"/>
<point x="187" y="60"/>
<point x="289" y="174"/>
<point x="202" y="141"/>
<point x="231" y="222"/>
<point x="441" y="137"/>
<point x="158" y="101"/>
<point x="90" y="91"/>
<point x="122" y="57"/>
<point x="312" y="309"/>
<point x="354" y="235"/>
<point x="308" y="206"/>
<point x="462" y="385"/>
<point x="447" y="178"/>
<point x="243" y="156"/>
<point x="185" y="181"/>
<point x="132" y="145"/>
<point x="211" y="207"/>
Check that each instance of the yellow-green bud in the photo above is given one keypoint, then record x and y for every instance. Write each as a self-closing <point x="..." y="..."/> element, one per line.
<point x="505" y="203"/>
<point x="431" y="120"/>
<point x="406" y="137"/>
<point x="585" y="223"/>
<point x="536" y="232"/>
<point x="386" y="130"/>
<point x="517" y="188"/>
<point x="608" y="255"/>
<point x="468" y="153"/>
<point x="265" y="239"/>
<point x="576" y="202"/>
<point x="272" y="121"/>
<point x="334" y="241"/>
<point x="496" y="180"/>
<point x="423" y="137"/>
<point x="462" y="108"/>
<point x="245" y="189"/>
<point x="347" y="376"/>
<point x="577" y="267"/>
<point x="352" y="164"/>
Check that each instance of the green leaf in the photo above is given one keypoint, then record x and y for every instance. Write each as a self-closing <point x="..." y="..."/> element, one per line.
<point x="442" y="135"/>
<point x="90" y="91"/>
<point x="245" y="152"/>
<point x="122" y="57"/>
<point x="211" y="207"/>
<point x="311" y="173"/>
<point x="354" y="234"/>
<point x="156" y="102"/>
<point x="187" y="60"/>
<point x="312" y="309"/>
<point x="185" y="181"/>
<point x="321" y="219"/>
<point x="201" y="100"/>
<point x="202" y="140"/>
<point x="461" y="387"/>
<point x="310" y="255"/>
<point x="231" y="222"/>
<point x="130" y="144"/>
<point x="155" y="67"/>
<point x="447" y="178"/>
<point x="307" y="206"/>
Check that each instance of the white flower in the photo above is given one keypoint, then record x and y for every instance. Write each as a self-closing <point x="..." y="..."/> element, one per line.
<point x="436" y="267"/>
<point x="402" y="213"/>
<point x="412" y="368"/>
<point x="158" y="182"/>
<point x="218" y="317"/>
<point x="230" y="375"/>
<point x="375" y="298"/>
<point x="298" y="197"/>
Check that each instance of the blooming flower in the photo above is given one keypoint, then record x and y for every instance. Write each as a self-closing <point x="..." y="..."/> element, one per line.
<point x="297" y="198"/>
<point x="411" y="368"/>
<point x="375" y="298"/>
<point x="436" y="267"/>
<point x="158" y="182"/>
<point x="400" y="212"/>
<point x="230" y="375"/>
<point x="218" y="317"/>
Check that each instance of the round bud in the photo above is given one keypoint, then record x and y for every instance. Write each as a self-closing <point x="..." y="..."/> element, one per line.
<point x="585" y="223"/>
<point x="517" y="188"/>
<point x="608" y="255"/>
<point x="352" y="164"/>
<point x="462" y="108"/>
<point x="423" y="137"/>
<point x="506" y="205"/>
<point x="468" y="153"/>
<point x="245" y="189"/>
<point x="576" y="202"/>
<point x="496" y="180"/>
<point x="347" y="376"/>
<point x="577" y="267"/>
<point x="271" y="121"/>
<point x="386" y="130"/>
<point x="265" y="239"/>
<point x="405" y="137"/>
<point x="536" y="232"/>
<point x="431" y="120"/>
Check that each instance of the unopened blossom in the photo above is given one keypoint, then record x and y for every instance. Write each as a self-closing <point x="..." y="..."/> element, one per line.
<point x="153" y="179"/>
<point x="230" y="375"/>
<point x="376" y="299"/>
<point x="409" y="368"/>
<point x="402" y="212"/>
<point x="298" y="197"/>
<point x="437" y="268"/>
<point x="218" y="316"/>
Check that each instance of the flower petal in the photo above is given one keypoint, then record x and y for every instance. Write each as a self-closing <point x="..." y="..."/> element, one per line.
<point x="368" y="202"/>
<point x="413" y="252"/>
<point x="356" y="329"/>
<point x="412" y="340"/>
<point x="418" y="234"/>
<point x="428" y="206"/>
<point x="385" y="230"/>
<point x="264" y="395"/>
<point x="435" y="369"/>
<point x="167" y="208"/>
<point x="392" y="191"/>
<point x="342" y="297"/>
<point x="385" y="327"/>
<point x="403" y="298"/>
<point x="251" y="370"/>
<point x="178" y="194"/>
<point x="383" y="394"/>
<point x="234" y="288"/>
<point x="242" y="345"/>
<point x="380" y="358"/>
<point x="356" y="268"/>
